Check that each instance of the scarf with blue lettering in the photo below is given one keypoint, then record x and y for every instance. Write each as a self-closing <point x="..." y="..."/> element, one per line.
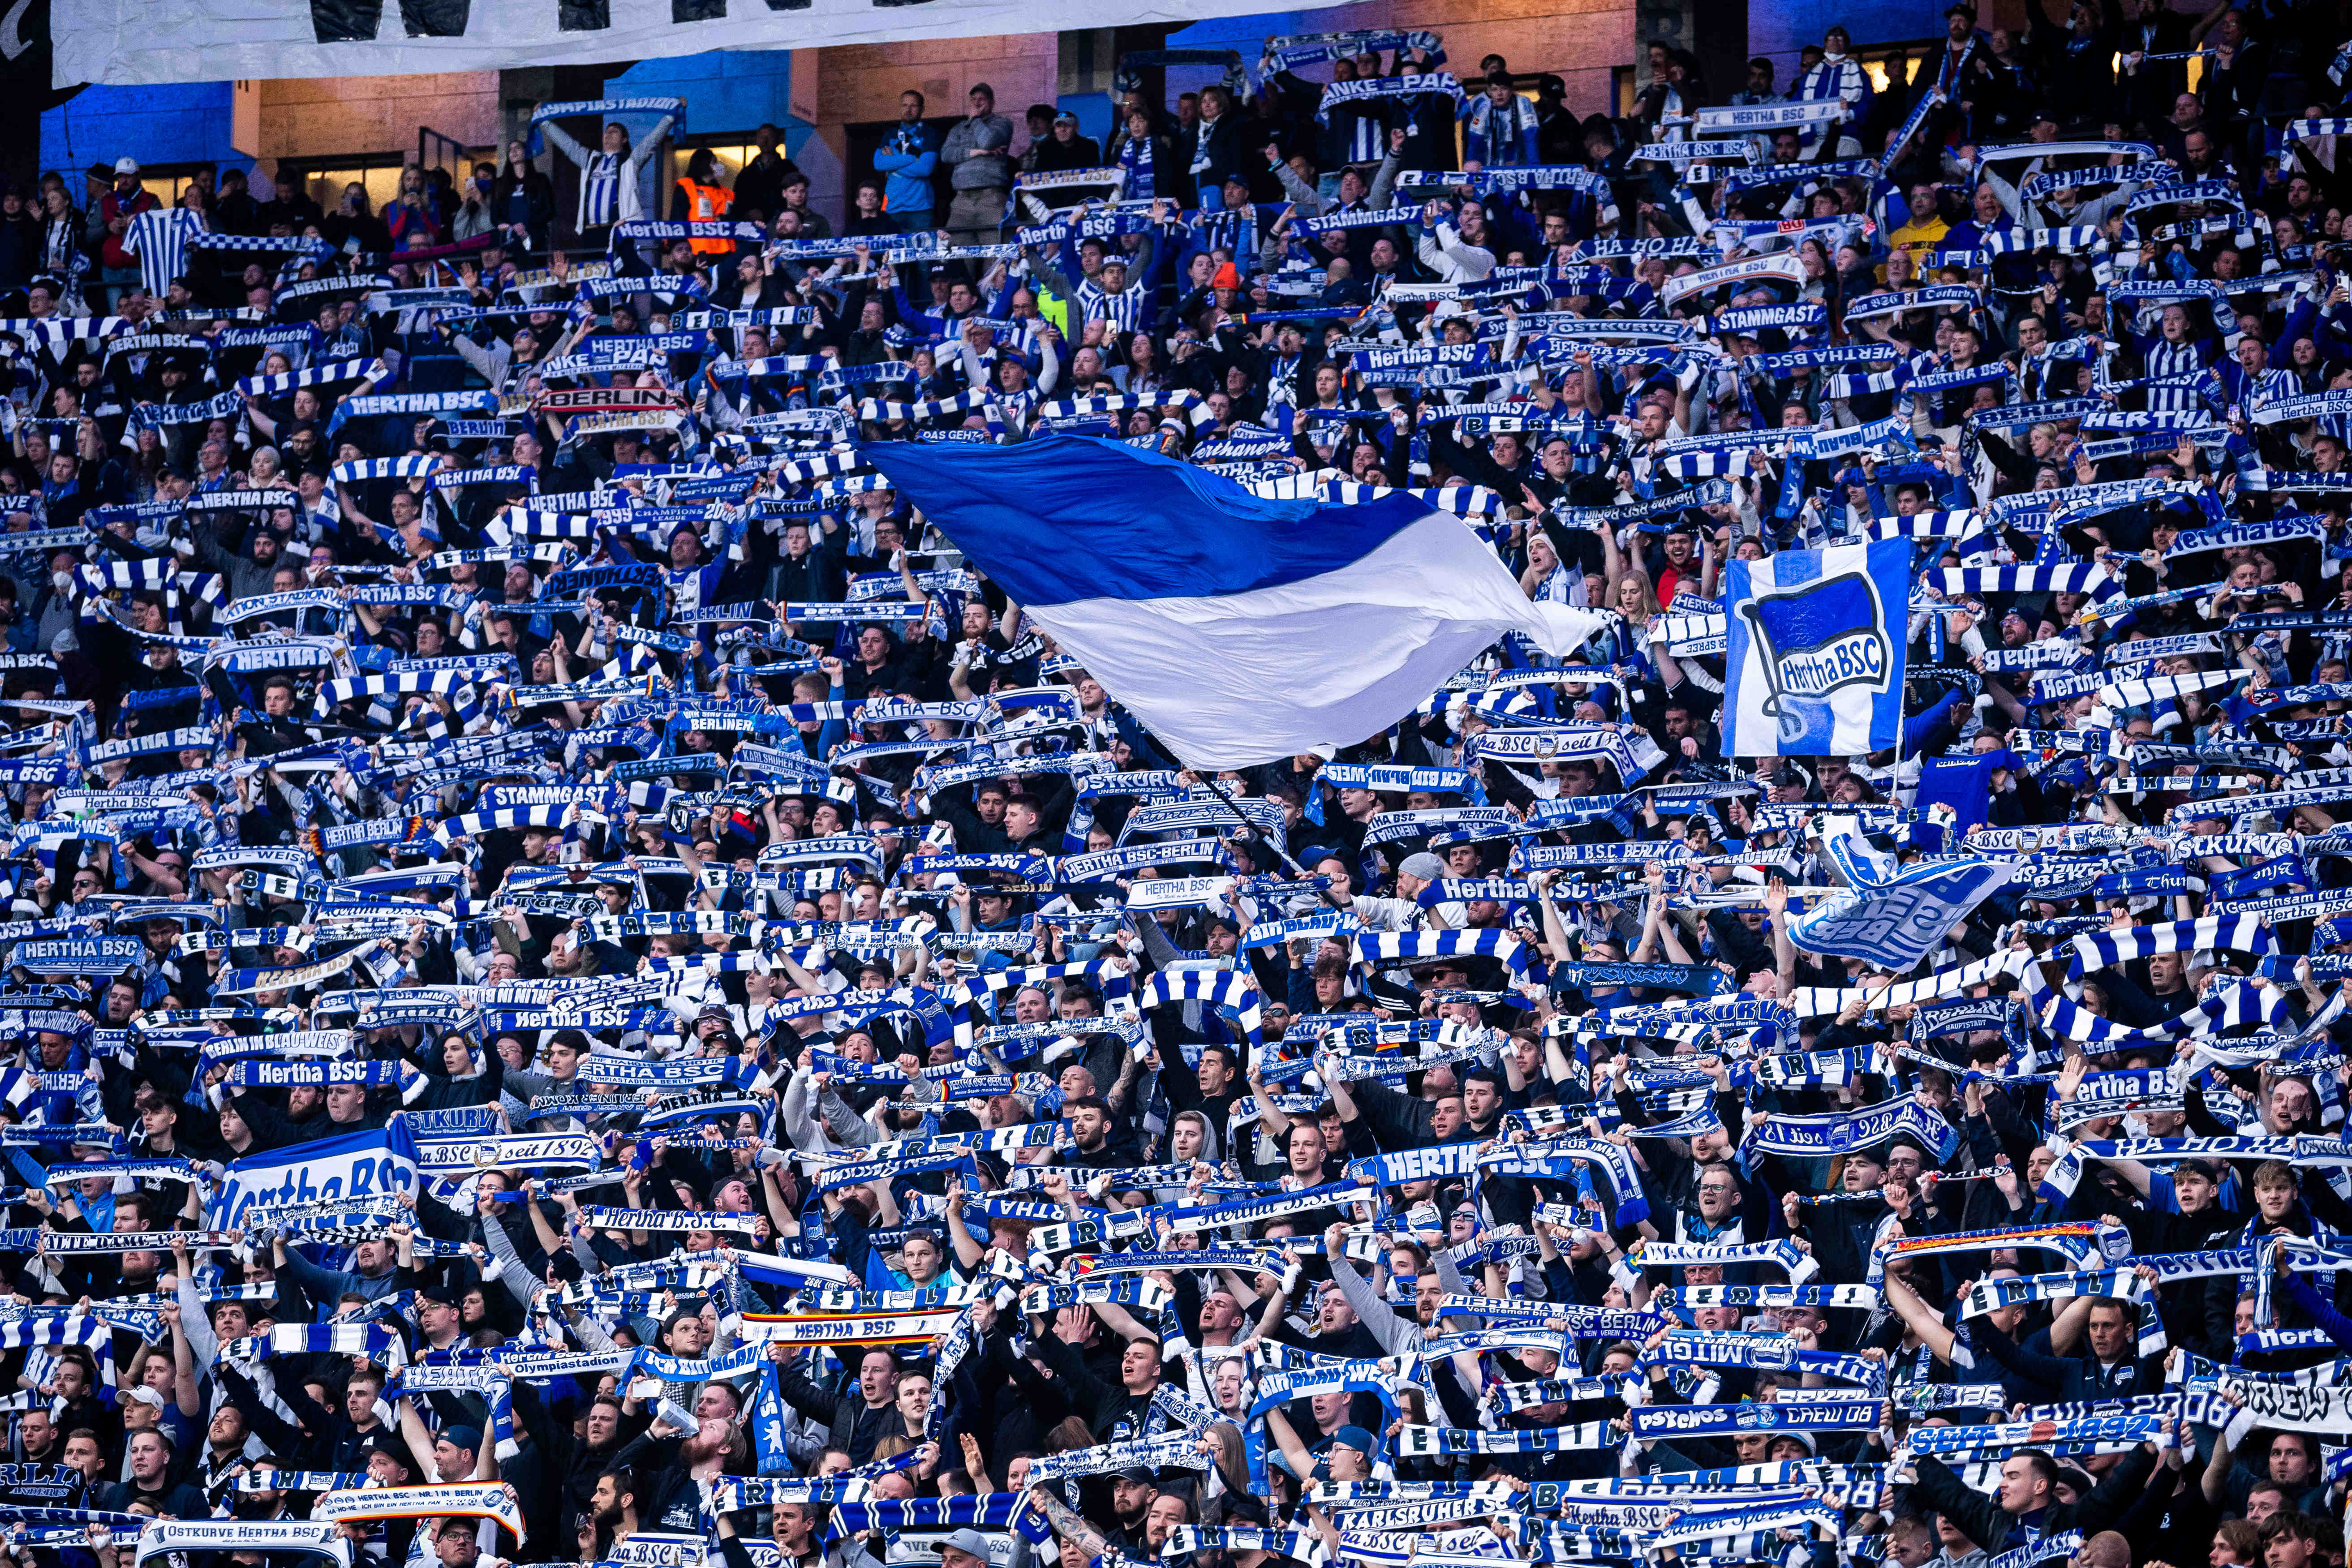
<point x="1560" y="1159"/>
<point x="1785" y="1255"/>
<point x="495" y="1385"/>
<point x="1151" y="1453"/>
<point x="1860" y="1297"/>
<point x="1814" y="1136"/>
<point x="1276" y="1389"/>
<point x="1302" y="1544"/>
<point x="2105" y="1431"/>
<point x="2113" y="1284"/>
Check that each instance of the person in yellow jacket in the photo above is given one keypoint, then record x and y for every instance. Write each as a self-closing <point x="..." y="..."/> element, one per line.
<point x="1923" y="230"/>
<point x="1054" y="307"/>
<point x="702" y="199"/>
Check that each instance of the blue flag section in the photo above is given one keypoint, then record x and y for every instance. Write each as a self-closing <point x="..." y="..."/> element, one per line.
<point x="1893" y="915"/>
<point x="359" y="1169"/>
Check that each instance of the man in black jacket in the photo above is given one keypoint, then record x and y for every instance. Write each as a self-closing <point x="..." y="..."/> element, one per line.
<point x="2026" y="1507"/>
<point x="2197" y="1313"/>
<point x="289" y="206"/>
<point x="866" y="345"/>
<point x="1408" y="1121"/>
<point x="858" y="1419"/>
<point x="1098" y="1138"/>
<point x="2104" y="1368"/>
<point x="1112" y="1412"/>
<point x="20" y="240"/>
<point x="1211" y="1088"/>
<point x="1210" y="148"/>
<point x="758" y="189"/>
<point x="804" y="574"/>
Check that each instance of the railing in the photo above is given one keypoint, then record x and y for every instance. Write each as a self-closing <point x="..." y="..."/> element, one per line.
<point x="434" y="150"/>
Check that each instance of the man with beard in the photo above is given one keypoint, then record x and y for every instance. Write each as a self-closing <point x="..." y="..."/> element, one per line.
<point x="590" y="1461"/>
<point x="612" y="1516"/>
<point x="671" y="1468"/>
<point x="223" y="1455"/>
<point x="1133" y="1490"/>
<point x="248" y="563"/>
<point x="1222" y="1321"/>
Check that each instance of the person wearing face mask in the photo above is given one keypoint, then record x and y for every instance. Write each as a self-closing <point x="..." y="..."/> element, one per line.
<point x="53" y="607"/>
<point x="1838" y="76"/>
<point x="475" y="216"/>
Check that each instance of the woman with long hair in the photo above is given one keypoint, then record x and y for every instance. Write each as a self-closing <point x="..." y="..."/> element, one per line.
<point x="411" y="219"/>
<point x="1140" y="370"/>
<point x="1635" y="599"/>
<point x="354" y="221"/>
<point x="614" y="179"/>
<point x="522" y="201"/>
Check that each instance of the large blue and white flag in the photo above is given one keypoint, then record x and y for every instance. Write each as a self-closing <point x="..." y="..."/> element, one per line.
<point x="1891" y="914"/>
<point x="1814" y="650"/>
<point x="1238" y="629"/>
<point x="357" y="1166"/>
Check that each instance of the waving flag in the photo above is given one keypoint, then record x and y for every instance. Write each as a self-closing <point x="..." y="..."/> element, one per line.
<point x="1894" y="915"/>
<point x="1815" y="650"/>
<point x="1238" y="629"/>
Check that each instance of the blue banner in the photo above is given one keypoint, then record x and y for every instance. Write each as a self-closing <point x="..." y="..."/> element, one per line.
<point x="358" y="1165"/>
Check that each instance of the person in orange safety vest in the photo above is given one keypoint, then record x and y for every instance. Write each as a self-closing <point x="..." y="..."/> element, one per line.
<point x="702" y="199"/>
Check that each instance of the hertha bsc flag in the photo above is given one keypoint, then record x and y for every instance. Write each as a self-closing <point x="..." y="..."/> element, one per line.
<point x="1814" y="650"/>
<point x="1238" y="629"/>
<point x="1891" y="914"/>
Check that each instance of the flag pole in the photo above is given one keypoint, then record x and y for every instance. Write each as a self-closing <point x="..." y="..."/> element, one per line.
<point x="1208" y="777"/>
<point x="1255" y="833"/>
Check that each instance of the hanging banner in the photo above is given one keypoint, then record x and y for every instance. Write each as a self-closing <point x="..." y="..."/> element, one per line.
<point x="129" y="42"/>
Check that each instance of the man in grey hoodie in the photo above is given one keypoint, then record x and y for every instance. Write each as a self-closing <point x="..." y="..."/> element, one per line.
<point x="978" y="155"/>
<point x="247" y="556"/>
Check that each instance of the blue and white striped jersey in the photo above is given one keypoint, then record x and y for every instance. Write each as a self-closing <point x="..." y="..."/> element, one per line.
<point x="159" y="237"/>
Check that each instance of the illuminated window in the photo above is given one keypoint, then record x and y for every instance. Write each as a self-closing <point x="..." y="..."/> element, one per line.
<point x="1880" y="63"/>
<point x="733" y="157"/>
<point x="378" y="173"/>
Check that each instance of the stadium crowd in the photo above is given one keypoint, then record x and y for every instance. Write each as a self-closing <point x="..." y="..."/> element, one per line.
<point x="583" y="988"/>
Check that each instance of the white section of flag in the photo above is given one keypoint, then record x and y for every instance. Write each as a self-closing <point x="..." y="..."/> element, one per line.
<point x="1232" y="680"/>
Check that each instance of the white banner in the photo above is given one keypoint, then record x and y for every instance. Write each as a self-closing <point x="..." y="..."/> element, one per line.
<point x="126" y="42"/>
<point x="2327" y="1409"/>
<point x="1784" y="267"/>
